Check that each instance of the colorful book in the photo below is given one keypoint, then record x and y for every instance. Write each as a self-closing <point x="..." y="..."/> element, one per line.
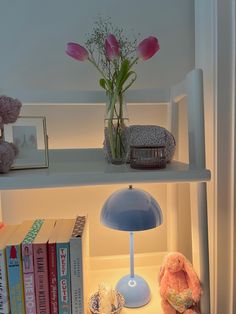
<point x="79" y="264"/>
<point x="14" y="267"/>
<point x="5" y="233"/>
<point x="63" y="265"/>
<point x="41" y="266"/>
<point x="28" y="267"/>
<point x="52" y="268"/>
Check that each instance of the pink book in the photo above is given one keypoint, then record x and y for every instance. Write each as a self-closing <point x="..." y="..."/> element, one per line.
<point x="52" y="266"/>
<point x="41" y="266"/>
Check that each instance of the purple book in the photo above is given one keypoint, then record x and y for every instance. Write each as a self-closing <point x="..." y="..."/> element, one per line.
<point x="40" y="252"/>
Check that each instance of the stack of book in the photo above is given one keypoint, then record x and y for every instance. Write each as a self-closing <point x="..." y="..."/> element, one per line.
<point x="43" y="266"/>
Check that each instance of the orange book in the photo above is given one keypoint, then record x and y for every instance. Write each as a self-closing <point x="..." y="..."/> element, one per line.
<point x="14" y="267"/>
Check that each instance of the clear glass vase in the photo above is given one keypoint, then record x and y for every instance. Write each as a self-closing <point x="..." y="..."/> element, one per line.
<point x="116" y="129"/>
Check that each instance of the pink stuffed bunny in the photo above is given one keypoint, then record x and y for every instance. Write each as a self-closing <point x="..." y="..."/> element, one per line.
<point x="180" y="287"/>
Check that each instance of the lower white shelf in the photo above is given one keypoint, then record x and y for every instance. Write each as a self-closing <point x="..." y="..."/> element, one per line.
<point x="150" y="273"/>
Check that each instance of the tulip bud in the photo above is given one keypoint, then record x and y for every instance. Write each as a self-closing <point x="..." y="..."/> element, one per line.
<point x="77" y="52"/>
<point x="147" y="48"/>
<point x="112" y="47"/>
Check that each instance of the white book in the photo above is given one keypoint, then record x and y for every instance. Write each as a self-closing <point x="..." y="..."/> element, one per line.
<point x="5" y="233"/>
<point x="79" y="253"/>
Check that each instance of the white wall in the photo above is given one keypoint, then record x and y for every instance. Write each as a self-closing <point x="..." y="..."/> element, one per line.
<point x="82" y="125"/>
<point x="69" y="202"/>
<point x="34" y="33"/>
<point x="215" y="53"/>
<point x="33" y="36"/>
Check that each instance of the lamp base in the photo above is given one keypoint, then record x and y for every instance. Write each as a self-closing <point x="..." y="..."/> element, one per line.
<point x="135" y="291"/>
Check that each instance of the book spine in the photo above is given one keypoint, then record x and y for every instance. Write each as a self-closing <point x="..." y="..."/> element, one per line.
<point x="52" y="268"/>
<point x="41" y="278"/>
<point x="76" y="275"/>
<point x="28" y="275"/>
<point x="4" y="297"/>
<point x="15" y="279"/>
<point x="63" y="266"/>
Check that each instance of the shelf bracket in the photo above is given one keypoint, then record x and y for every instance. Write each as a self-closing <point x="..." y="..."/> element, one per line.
<point x="1" y="209"/>
<point x="199" y="223"/>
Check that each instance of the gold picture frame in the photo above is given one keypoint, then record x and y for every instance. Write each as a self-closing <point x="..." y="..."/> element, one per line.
<point x="30" y="136"/>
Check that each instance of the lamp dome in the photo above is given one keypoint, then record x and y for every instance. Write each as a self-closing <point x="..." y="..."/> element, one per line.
<point x="131" y="210"/>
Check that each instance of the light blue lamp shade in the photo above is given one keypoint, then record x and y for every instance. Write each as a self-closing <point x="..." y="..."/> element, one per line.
<point x="132" y="210"/>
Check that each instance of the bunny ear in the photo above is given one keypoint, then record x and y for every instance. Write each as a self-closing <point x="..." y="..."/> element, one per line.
<point x="189" y="268"/>
<point x="193" y="281"/>
<point x="161" y="274"/>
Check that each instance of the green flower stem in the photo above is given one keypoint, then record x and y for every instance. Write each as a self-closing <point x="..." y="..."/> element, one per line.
<point x="119" y="124"/>
<point x="110" y="124"/>
<point x="100" y="71"/>
<point x="118" y="136"/>
<point x="132" y="63"/>
<point x="115" y="140"/>
<point x="132" y="81"/>
<point x="120" y="107"/>
<point x="115" y="143"/>
<point x="112" y="109"/>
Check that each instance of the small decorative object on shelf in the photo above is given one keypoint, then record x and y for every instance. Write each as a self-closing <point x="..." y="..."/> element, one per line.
<point x="106" y="300"/>
<point x="114" y="56"/>
<point x="9" y="112"/>
<point x="152" y="135"/>
<point x="147" y="157"/>
<point x="180" y="287"/>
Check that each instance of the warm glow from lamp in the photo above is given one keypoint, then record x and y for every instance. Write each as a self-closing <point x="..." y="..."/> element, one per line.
<point x="132" y="210"/>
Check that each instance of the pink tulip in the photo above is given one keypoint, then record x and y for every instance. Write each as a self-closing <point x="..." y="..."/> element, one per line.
<point x="147" y="48"/>
<point x="112" y="47"/>
<point x="77" y="52"/>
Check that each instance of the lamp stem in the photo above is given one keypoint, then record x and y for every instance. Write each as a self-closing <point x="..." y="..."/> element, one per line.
<point x="131" y="254"/>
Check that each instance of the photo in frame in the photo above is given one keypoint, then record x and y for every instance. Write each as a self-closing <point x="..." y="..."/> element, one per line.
<point x="30" y="136"/>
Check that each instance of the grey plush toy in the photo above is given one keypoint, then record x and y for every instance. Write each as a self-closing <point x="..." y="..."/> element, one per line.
<point x="8" y="152"/>
<point x="9" y="112"/>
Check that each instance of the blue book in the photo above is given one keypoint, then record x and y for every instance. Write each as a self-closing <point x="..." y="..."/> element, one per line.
<point x="65" y="228"/>
<point x="14" y="267"/>
<point x="78" y="264"/>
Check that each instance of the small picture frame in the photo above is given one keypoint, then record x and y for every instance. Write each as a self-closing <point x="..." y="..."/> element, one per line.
<point x="30" y="136"/>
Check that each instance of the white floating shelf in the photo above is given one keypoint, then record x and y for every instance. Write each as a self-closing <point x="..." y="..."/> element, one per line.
<point x="77" y="167"/>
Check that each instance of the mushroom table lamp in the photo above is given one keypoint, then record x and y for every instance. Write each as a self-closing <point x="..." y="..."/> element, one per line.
<point x="132" y="210"/>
